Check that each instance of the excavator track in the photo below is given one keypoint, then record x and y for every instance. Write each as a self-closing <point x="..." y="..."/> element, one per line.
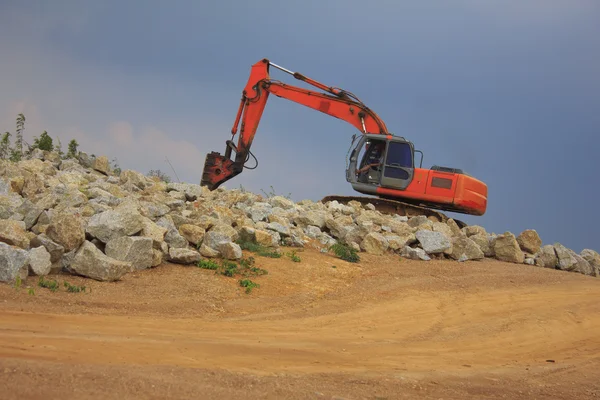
<point x="393" y="207"/>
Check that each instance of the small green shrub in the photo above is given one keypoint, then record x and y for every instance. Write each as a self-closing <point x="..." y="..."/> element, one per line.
<point x="208" y="264"/>
<point x="250" y="246"/>
<point x="73" y="288"/>
<point x="258" y="249"/>
<point x="345" y="252"/>
<point x="18" y="283"/>
<point x="31" y="292"/>
<point x="248" y="284"/>
<point x="48" y="284"/>
<point x="293" y="256"/>
<point x="229" y="268"/>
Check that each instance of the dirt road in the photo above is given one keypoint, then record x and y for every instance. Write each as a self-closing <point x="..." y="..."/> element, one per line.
<point x="382" y="329"/>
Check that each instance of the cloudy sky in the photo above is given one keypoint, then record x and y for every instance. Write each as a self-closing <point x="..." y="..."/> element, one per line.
<point x="508" y="90"/>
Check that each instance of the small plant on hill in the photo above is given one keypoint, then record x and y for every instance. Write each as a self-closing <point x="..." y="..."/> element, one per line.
<point x="18" y="283"/>
<point x="258" y="249"/>
<point x="16" y="153"/>
<point x="229" y="268"/>
<point x="72" y="149"/>
<point x="5" y="146"/>
<point x="31" y="292"/>
<point x="293" y="256"/>
<point x="160" y="175"/>
<point x="208" y="264"/>
<point x="245" y="268"/>
<point x="73" y="288"/>
<point x="273" y="194"/>
<point x="115" y="167"/>
<point x="44" y="142"/>
<point x="59" y="150"/>
<point x="345" y="252"/>
<point x="48" y="284"/>
<point x="248" y="284"/>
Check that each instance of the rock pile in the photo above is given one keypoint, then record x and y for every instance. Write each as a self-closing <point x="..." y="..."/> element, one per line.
<point x="79" y="217"/>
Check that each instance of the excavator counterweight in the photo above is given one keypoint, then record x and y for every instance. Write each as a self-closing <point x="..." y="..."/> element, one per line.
<point x="380" y="163"/>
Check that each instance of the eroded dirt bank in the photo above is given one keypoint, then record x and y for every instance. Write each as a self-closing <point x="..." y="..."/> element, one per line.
<point x="383" y="328"/>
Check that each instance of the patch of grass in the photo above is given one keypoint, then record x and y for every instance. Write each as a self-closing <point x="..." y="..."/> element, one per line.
<point x="345" y="252"/>
<point x="18" y="283"/>
<point x="293" y="256"/>
<point x="31" y="292"/>
<point x="250" y="246"/>
<point x="333" y="266"/>
<point x="259" y="249"/>
<point x="245" y="268"/>
<point x="229" y="268"/>
<point x="48" y="284"/>
<point x="73" y="288"/>
<point x="248" y="284"/>
<point x="208" y="264"/>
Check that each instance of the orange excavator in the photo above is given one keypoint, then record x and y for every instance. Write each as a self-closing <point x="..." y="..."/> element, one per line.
<point x="379" y="163"/>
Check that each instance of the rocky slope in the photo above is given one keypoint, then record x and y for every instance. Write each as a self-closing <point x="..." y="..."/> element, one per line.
<point x="77" y="216"/>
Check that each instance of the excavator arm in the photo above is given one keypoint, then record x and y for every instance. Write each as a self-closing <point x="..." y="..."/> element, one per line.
<point x="335" y="102"/>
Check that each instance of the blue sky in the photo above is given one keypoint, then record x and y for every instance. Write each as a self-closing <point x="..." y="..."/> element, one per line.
<point x="507" y="90"/>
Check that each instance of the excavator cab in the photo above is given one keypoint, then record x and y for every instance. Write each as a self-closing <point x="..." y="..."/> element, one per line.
<point x="380" y="161"/>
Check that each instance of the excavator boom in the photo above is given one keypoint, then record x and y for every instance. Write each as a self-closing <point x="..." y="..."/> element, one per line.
<point x="338" y="104"/>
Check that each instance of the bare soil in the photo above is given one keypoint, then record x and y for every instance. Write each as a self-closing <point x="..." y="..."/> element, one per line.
<point x="384" y="328"/>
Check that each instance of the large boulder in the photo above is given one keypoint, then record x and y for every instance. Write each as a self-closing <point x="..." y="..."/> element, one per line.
<point x="506" y="248"/>
<point x="260" y="211"/>
<point x="433" y="242"/>
<point x="267" y="238"/>
<point x="90" y="262"/>
<point x="311" y="217"/>
<point x="583" y="267"/>
<point x="153" y="231"/>
<point x="418" y="221"/>
<point x="281" y="202"/>
<point x="112" y="224"/>
<point x="136" y="250"/>
<point x="153" y="210"/>
<point x="529" y="241"/>
<point x="101" y="164"/>
<point x="13" y="263"/>
<point x="414" y="254"/>
<point x="472" y="230"/>
<point x="183" y="256"/>
<point x="226" y="230"/>
<point x="593" y="258"/>
<point x="230" y="251"/>
<point x="566" y="258"/>
<point x="397" y="242"/>
<point x="192" y="233"/>
<point x="464" y="248"/>
<point x="129" y="178"/>
<point x="546" y="257"/>
<point x="14" y="233"/>
<point x="443" y="228"/>
<point x="67" y="230"/>
<point x="484" y="243"/>
<point x="56" y="250"/>
<point x="39" y="261"/>
<point x="374" y="243"/>
<point x="214" y="239"/>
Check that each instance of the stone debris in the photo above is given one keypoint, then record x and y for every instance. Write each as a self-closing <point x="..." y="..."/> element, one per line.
<point x="79" y="216"/>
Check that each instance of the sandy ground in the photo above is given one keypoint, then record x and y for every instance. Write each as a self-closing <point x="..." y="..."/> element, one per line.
<point x="384" y="328"/>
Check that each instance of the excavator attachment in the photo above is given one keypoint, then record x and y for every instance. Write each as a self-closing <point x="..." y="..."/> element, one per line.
<point x="220" y="168"/>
